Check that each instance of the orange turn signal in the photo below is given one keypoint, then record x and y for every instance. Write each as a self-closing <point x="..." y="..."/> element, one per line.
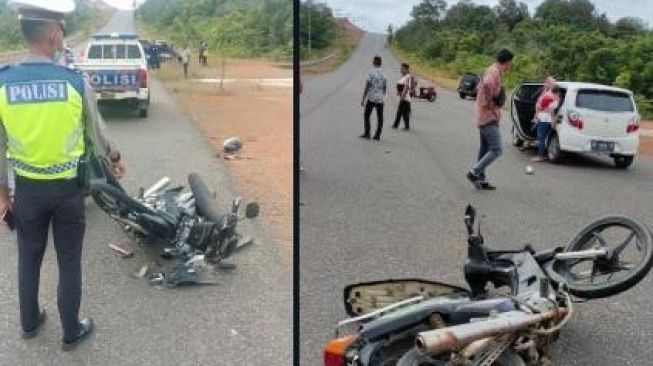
<point x="334" y="351"/>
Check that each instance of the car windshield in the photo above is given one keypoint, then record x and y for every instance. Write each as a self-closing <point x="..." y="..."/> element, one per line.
<point x="604" y="100"/>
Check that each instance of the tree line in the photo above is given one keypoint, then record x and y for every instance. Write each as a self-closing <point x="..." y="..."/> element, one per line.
<point x="318" y="29"/>
<point x="10" y="37"/>
<point x="236" y="28"/>
<point x="568" y="39"/>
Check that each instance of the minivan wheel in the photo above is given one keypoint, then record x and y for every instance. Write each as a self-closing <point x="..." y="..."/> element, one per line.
<point x="553" y="152"/>
<point x="516" y="140"/>
<point x="623" y="161"/>
<point x="462" y="95"/>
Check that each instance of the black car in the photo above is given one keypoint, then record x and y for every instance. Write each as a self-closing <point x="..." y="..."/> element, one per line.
<point x="166" y="51"/>
<point x="467" y="86"/>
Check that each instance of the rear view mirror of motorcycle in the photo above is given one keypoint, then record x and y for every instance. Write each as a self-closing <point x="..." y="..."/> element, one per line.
<point x="252" y="210"/>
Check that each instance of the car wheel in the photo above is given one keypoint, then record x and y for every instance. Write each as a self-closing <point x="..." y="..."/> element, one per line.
<point x="462" y="95"/>
<point x="432" y="98"/>
<point x="142" y="112"/>
<point x="623" y="161"/>
<point x="516" y="140"/>
<point x="553" y="151"/>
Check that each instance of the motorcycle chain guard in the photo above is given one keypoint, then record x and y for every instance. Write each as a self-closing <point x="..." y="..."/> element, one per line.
<point x="366" y="297"/>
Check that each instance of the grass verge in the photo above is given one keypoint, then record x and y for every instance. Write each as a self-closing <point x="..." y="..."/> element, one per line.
<point x="342" y="47"/>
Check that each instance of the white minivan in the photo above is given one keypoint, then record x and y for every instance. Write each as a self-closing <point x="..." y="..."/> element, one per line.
<point x="592" y="118"/>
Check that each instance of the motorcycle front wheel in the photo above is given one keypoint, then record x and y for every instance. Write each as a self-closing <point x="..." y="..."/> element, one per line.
<point x="413" y="358"/>
<point x="630" y="257"/>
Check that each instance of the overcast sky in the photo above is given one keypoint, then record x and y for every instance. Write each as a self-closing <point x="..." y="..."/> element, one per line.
<point x="375" y="15"/>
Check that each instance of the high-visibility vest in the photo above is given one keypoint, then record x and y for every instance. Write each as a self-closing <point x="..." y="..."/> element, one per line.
<point x="41" y="108"/>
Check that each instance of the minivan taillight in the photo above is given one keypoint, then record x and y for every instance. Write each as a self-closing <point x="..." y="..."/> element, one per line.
<point x="633" y="125"/>
<point x="334" y="351"/>
<point x="575" y="120"/>
<point x="142" y="77"/>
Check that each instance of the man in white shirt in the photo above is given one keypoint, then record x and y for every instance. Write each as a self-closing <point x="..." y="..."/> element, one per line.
<point x="404" y="86"/>
<point x="185" y="58"/>
<point x="375" y="89"/>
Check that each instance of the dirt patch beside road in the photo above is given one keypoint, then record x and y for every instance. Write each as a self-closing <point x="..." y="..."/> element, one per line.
<point x="260" y="115"/>
<point x="646" y="138"/>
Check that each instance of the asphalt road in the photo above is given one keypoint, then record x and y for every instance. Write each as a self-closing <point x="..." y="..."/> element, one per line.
<point x="246" y="320"/>
<point x="393" y="209"/>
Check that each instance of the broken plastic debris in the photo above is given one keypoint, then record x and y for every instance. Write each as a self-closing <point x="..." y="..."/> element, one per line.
<point x="143" y="271"/>
<point x="156" y="279"/>
<point x="122" y="252"/>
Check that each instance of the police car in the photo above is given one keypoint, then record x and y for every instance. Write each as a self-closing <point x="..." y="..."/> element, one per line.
<point x="117" y="68"/>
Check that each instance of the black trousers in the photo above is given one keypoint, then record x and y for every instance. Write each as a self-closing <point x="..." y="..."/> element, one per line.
<point x="37" y="205"/>
<point x="403" y="110"/>
<point x="369" y="106"/>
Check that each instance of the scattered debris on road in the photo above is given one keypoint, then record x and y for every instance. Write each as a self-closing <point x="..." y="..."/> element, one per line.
<point x="124" y="253"/>
<point x="156" y="279"/>
<point x="232" y="144"/>
<point x="143" y="271"/>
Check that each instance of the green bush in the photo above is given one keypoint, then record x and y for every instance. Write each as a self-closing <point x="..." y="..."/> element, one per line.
<point x="568" y="39"/>
<point x="233" y="28"/>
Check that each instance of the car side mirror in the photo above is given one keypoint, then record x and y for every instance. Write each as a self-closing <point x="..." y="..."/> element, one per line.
<point x="252" y="210"/>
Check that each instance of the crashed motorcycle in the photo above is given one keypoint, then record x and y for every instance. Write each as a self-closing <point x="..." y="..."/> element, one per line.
<point x="185" y="224"/>
<point x="415" y="322"/>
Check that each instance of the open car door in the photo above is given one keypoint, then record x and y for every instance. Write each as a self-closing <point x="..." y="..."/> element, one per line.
<point x="522" y="110"/>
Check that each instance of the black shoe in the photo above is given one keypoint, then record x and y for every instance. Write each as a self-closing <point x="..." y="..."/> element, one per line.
<point x="364" y="136"/>
<point x="474" y="179"/>
<point x="406" y="128"/>
<point x="29" y="334"/>
<point x="85" y="329"/>
<point x="395" y="127"/>
<point x="487" y="186"/>
<point x="377" y="138"/>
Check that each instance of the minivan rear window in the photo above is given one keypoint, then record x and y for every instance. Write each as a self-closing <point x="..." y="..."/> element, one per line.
<point x="604" y="100"/>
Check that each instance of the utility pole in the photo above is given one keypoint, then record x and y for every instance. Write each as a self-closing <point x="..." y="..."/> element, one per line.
<point x="309" y="28"/>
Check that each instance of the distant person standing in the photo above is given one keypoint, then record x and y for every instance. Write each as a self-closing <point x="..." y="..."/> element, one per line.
<point x="404" y="86"/>
<point x="373" y="97"/>
<point x="545" y="108"/>
<point x="185" y="58"/>
<point x="204" y="49"/>
<point x="490" y="99"/>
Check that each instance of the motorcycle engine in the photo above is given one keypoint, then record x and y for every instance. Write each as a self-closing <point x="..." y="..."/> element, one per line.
<point x="202" y="234"/>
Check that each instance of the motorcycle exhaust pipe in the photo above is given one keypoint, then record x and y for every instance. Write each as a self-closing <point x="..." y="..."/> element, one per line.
<point x="157" y="187"/>
<point x="447" y="339"/>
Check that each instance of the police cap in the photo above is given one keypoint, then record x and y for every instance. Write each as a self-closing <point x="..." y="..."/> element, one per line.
<point x="47" y="10"/>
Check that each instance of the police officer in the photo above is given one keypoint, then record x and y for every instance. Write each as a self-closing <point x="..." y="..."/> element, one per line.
<point x="44" y="109"/>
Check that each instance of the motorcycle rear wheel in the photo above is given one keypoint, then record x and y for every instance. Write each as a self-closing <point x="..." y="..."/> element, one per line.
<point x="596" y="235"/>
<point x="413" y="358"/>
